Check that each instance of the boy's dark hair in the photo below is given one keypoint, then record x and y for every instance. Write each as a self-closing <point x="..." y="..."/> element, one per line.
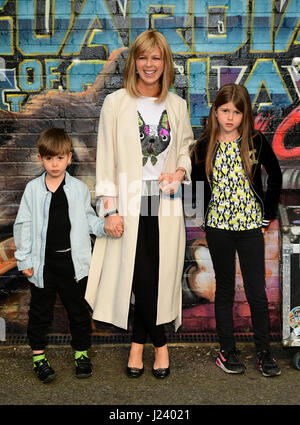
<point x="54" y="141"/>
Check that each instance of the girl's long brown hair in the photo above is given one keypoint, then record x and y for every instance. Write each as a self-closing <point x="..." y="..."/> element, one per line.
<point x="239" y="96"/>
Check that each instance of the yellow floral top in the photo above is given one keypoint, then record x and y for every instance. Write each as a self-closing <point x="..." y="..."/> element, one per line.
<point x="233" y="205"/>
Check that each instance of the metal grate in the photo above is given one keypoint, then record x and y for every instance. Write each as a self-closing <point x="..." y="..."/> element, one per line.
<point x="126" y="338"/>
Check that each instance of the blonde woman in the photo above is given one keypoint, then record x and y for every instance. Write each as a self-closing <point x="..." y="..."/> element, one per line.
<point x="142" y="159"/>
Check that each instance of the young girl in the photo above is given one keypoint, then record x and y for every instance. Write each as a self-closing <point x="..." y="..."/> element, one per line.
<point x="228" y="158"/>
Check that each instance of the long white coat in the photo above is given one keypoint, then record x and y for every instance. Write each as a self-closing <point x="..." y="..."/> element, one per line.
<point x="119" y="174"/>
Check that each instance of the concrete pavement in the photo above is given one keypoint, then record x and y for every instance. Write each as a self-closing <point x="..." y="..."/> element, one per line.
<point x="194" y="379"/>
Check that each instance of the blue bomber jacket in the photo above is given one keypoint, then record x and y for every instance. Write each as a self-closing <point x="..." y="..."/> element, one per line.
<point x="262" y="156"/>
<point x="30" y="227"/>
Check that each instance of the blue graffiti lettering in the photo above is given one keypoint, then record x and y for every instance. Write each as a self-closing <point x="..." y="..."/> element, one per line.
<point x="15" y="101"/>
<point x="198" y="102"/>
<point x="52" y="75"/>
<point x="220" y="26"/>
<point x="265" y="74"/>
<point x="60" y="30"/>
<point x="80" y="74"/>
<point x="7" y="83"/>
<point x="288" y="26"/>
<point x="95" y="27"/>
<point x="6" y="36"/>
<point x="29" y="41"/>
<point x="171" y="22"/>
<point x="2" y="3"/>
<point x="262" y="26"/>
<point x="34" y="81"/>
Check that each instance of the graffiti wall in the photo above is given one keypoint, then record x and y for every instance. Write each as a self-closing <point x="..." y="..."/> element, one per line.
<point x="58" y="61"/>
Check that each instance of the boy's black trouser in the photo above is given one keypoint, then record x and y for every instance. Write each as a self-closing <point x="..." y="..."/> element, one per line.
<point x="249" y="244"/>
<point x="59" y="279"/>
<point x="145" y="278"/>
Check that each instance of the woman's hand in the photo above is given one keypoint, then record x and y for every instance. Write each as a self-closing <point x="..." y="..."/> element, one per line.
<point x="28" y="272"/>
<point x="170" y="182"/>
<point x="114" y="226"/>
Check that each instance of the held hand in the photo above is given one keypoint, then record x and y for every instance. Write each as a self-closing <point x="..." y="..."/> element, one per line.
<point x="114" y="226"/>
<point x="28" y="272"/>
<point x="170" y="188"/>
<point x="165" y="177"/>
<point x="170" y="182"/>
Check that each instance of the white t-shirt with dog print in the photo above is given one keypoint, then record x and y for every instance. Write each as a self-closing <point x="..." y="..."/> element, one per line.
<point x="155" y="135"/>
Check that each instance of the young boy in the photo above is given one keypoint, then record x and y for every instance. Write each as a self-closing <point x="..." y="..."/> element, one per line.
<point x="53" y="249"/>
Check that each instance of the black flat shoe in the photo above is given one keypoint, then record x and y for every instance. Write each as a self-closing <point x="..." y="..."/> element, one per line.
<point x="161" y="373"/>
<point x="134" y="372"/>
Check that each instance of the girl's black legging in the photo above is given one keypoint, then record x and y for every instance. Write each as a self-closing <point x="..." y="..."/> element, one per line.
<point x="249" y="244"/>
<point x="145" y="278"/>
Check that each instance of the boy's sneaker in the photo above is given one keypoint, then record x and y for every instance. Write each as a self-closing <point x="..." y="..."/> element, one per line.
<point x="43" y="370"/>
<point x="229" y="362"/>
<point x="83" y="367"/>
<point x="267" y="364"/>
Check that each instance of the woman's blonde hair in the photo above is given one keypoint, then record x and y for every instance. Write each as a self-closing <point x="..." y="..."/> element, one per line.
<point x="146" y="42"/>
<point x="239" y="96"/>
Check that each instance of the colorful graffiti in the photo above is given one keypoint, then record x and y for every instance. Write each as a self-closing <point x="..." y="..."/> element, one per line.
<point x="58" y="61"/>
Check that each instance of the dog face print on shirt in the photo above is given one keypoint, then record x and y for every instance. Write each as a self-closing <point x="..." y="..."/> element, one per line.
<point x="154" y="138"/>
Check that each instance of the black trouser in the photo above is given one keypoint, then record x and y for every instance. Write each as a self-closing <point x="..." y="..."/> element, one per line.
<point x="145" y="277"/>
<point x="249" y="244"/>
<point x="59" y="278"/>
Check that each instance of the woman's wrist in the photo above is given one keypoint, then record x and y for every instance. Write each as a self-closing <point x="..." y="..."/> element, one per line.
<point x="180" y="172"/>
<point x="111" y="212"/>
<point x="109" y="203"/>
